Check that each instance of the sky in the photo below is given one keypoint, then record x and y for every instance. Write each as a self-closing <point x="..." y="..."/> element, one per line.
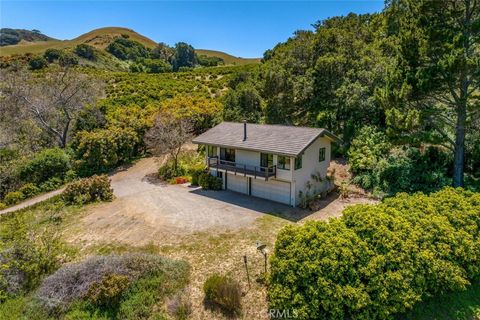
<point x="245" y="29"/>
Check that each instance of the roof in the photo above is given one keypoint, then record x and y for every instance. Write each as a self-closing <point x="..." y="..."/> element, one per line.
<point x="278" y="139"/>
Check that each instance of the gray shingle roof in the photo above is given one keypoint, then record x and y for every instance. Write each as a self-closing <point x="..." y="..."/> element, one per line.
<point x="278" y="139"/>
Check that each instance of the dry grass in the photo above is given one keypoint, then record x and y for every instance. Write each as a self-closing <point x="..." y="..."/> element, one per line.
<point x="209" y="253"/>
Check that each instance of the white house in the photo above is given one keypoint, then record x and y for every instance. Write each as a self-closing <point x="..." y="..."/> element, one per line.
<point x="275" y="162"/>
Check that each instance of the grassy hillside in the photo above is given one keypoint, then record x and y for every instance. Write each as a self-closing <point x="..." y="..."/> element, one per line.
<point x="229" y="59"/>
<point x="100" y="38"/>
<point x="16" y="36"/>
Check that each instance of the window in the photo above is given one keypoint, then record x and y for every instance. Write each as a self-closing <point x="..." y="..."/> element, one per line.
<point x="212" y="151"/>
<point x="283" y="163"/>
<point x="298" y="162"/>
<point x="227" y="154"/>
<point x="321" y="155"/>
<point x="266" y="159"/>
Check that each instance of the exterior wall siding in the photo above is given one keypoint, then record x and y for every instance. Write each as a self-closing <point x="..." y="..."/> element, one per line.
<point x="311" y="165"/>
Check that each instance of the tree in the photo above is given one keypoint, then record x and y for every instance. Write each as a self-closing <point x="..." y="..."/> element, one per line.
<point x="163" y="52"/>
<point x="245" y="103"/>
<point x="168" y="135"/>
<point x="85" y="51"/>
<point x="37" y="63"/>
<point x="52" y="100"/>
<point x="184" y="56"/>
<point x="438" y="69"/>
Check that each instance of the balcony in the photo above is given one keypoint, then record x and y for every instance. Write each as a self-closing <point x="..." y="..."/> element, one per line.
<point x="242" y="169"/>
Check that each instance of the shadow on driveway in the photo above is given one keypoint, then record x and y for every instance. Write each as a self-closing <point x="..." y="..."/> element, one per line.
<point x="253" y="203"/>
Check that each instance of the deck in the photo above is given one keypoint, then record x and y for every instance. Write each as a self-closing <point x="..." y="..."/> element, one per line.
<point x="242" y="169"/>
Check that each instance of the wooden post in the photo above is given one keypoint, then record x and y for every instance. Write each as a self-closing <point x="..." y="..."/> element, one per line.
<point x="246" y="268"/>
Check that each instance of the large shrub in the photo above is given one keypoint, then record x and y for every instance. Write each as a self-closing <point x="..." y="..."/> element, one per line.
<point x="96" y="188"/>
<point x="378" y="260"/>
<point x="224" y="292"/>
<point x="46" y="164"/>
<point x="101" y="150"/>
<point x="407" y="170"/>
<point x="85" y="51"/>
<point x="29" y="190"/>
<point x="367" y="148"/>
<point x="209" y="182"/>
<point x="14" y="197"/>
<point x="108" y="279"/>
<point x="26" y="255"/>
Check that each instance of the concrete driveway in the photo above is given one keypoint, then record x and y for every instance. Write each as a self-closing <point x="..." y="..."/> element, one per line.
<point x="146" y="210"/>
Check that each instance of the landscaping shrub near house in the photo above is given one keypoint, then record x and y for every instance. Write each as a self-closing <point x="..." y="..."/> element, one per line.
<point x="86" y="190"/>
<point x="195" y="174"/>
<point x="224" y="292"/>
<point x="378" y="260"/>
<point x="209" y="182"/>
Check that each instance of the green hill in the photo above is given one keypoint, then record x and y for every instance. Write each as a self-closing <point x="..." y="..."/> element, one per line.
<point x="19" y="36"/>
<point x="229" y="59"/>
<point x="100" y="39"/>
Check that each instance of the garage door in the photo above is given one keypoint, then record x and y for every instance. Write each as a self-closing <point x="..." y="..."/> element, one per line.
<point x="237" y="183"/>
<point x="272" y="189"/>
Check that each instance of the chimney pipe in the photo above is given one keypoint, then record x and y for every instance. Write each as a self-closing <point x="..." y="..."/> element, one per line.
<point x="244" y="130"/>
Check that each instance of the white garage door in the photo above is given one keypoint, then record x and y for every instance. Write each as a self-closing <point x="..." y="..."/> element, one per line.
<point x="237" y="183"/>
<point x="272" y="189"/>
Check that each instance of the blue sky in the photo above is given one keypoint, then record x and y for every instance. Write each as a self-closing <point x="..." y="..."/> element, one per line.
<point x="244" y="29"/>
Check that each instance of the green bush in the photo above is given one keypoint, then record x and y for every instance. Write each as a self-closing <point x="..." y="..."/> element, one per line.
<point x="108" y="291"/>
<point x="51" y="184"/>
<point x="26" y="255"/>
<point x="52" y="54"/>
<point x="45" y="165"/>
<point x="367" y="148"/>
<point x="407" y="170"/>
<point x="86" y="190"/>
<point x="29" y="190"/>
<point x="85" y="51"/>
<point x="224" y="292"/>
<point x="196" y="175"/>
<point x="378" y="260"/>
<point x="2" y="206"/>
<point x="209" y="182"/>
<point x="14" y="197"/>
<point x="101" y="150"/>
<point x="166" y="172"/>
<point x="37" y="63"/>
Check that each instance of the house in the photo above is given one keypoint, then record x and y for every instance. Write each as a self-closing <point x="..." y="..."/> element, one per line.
<point x="275" y="162"/>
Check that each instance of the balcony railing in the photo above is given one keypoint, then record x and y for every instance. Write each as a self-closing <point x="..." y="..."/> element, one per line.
<point x="242" y="169"/>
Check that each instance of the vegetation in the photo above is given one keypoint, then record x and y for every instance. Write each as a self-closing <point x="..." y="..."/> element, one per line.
<point x="378" y="260"/>
<point x="95" y="188"/>
<point x="119" y="286"/>
<point x="10" y="37"/>
<point x="224" y="292"/>
<point x="209" y="182"/>
<point x="168" y="135"/>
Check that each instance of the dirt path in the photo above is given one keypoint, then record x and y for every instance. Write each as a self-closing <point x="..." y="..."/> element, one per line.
<point x="32" y="201"/>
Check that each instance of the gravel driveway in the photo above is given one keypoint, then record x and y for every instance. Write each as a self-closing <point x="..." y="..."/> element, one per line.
<point x="146" y="210"/>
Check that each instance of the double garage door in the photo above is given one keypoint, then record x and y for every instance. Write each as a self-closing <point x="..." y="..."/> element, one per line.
<point x="274" y="190"/>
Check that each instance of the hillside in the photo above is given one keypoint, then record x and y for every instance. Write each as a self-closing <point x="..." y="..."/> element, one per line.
<point x="229" y="59"/>
<point x="100" y="38"/>
<point x="21" y="36"/>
